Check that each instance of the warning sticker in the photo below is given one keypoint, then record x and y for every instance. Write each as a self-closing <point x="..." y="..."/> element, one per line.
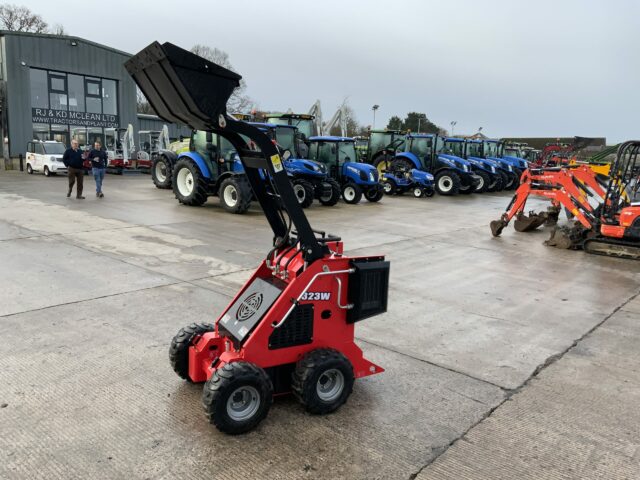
<point x="276" y="162"/>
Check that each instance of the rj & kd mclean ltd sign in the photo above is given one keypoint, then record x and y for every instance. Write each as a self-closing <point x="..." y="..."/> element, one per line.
<point x="83" y="119"/>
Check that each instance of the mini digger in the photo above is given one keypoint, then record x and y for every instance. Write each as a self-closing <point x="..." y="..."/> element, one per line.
<point x="604" y="209"/>
<point x="291" y="326"/>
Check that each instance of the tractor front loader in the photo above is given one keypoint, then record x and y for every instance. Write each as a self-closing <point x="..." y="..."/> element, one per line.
<point x="291" y="326"/>
<point x="606" y="219"/>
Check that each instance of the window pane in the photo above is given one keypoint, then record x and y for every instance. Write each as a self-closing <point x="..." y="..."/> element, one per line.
<point x="60" y="133"/>
<point x="76" y="93"/>
<point x="57" y="84"/>
<point x="110" y="139"/>
<point x="58" y="101"/>
<point x="39" y="89"/>
<point x="109" y="99"/>
<point x="95" y="134"/>
<point x="39" y="150"/>
<point x="80" y="134"/>
<point x="94" y="105"/>
<point x="93" y="88"/>
<point x="40" y="131"/>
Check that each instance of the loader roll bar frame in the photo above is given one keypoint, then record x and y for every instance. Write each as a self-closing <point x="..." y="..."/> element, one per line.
<point x="187" y="89"/>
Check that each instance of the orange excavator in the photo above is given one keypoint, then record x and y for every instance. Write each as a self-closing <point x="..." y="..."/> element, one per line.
<point x="606" y="220"/>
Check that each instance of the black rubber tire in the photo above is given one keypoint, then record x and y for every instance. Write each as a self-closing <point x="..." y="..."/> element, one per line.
<point x="223" y="383"/>
<point x="46" y="171"/>
<point x="402" y="164"/>
<point x="335" y="194"/>
<point x="497" y="185"/>
<point x="198" y="195"/>
<point x="243" y="192"/>
<point x="429" y="192"/>
<point x="299" y="186"/>
<point x="308" y="373"/>
<point x="518" y="173"/>
<point x="381" y="159"/>
<point x="167" y="168"/>
<point x="357" y="192"/>
<point x="485" y="181"/>
<point x="29" y="169"/>
<point x="179" y="349"/>
<point x="453" y="178"/>
<point x="505" y="179"/>
<point x="374" y="194"/>
<point x="389" y="186"/>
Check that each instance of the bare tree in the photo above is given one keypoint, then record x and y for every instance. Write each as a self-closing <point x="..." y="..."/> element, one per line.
<point x="58" y="29"/>
<point x="20" y="19"/>
<point x="239" y="102"/>
<point x="142" y="105"/>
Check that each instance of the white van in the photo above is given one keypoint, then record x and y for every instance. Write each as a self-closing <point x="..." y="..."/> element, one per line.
<point x="45" y="157"/>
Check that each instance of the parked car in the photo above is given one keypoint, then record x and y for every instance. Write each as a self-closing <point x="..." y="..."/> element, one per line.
<point x="45" y="157"/>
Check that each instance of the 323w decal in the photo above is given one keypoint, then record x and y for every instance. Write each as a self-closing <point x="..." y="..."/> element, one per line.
<point x="316" y="296"/>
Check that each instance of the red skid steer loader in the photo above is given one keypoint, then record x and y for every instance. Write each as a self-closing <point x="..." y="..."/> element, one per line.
<point x="291" y="326"/>
<point x="607" y="220"/>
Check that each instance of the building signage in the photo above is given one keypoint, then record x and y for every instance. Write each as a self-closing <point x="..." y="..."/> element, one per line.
<point x="83" y="119"/>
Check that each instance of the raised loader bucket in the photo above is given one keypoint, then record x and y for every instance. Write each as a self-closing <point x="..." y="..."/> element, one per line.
<point x="181" y="86"/>
<point x="524" y="223"/>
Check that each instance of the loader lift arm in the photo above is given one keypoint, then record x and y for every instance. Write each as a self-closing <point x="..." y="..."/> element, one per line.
<point x="187" y="89"/>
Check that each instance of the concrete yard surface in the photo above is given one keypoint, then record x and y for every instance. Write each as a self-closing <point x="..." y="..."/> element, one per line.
<point x="504" y="358"/>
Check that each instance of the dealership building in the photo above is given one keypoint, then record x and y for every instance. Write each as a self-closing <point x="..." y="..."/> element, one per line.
<point x="56" y="87"/>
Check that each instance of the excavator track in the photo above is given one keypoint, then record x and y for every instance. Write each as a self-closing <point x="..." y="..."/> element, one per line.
<point x="612" y="247"/>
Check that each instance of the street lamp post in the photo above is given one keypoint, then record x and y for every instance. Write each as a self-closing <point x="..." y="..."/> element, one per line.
<point x="374" y="108"/>
<point x="453" y="124"/>
<point x="419" y="120"/>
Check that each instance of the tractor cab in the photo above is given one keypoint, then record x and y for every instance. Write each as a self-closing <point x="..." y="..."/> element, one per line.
<point x="382" y="146"/>
<point x="217" y="152"/>
<point x="340" y="157"/>
<point x="305" y="124"/>
<point x="511" y="167"/>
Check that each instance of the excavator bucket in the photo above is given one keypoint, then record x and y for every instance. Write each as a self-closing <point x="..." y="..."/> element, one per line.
<point x="565" y="237"/>
<point x="497" y="226"/>
<point x="182" y="87"/>
<point x="524" y="223"/>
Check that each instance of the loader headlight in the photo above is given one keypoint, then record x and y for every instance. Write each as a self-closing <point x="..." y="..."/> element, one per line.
<point x="372" y="177"/>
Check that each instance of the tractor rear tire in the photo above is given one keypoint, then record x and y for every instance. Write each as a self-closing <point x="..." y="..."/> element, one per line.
<point x="179" y="349"/>
<point x="235" y="194"/>
<point x="448" y="183"/>
<point x="351" y="193"/>
<point x="496" y="186"/>
<point x="374" y="193"/>
<point x="161" y="172"/>
<point x="383" y="163"/>
<point x="402" y="164"/>
<point x="304" y="192"/>
<point x="505" y="179"/>
<point x="518" y="173"/>
<point x="322" y="380"/>
<point x="189" y="185"/>
<point x="331" y="200"/>
<point x="511" y="181"/>
<point x="484" y="183"/>
<point x="237" y="397"/>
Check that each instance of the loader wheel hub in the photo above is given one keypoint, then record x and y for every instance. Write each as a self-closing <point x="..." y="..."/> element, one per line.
<point x="330" y="385"/>
<point x="349" y="194"/>
<point x="243" y="403"/>
<point x="231" y="196"/>
<point x="445" y="184"/>
<point x="161" y="171"/>
<point x="185" y="182"/>
<point x="300" y="192"/>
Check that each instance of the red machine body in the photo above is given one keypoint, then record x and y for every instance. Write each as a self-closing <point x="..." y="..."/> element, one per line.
<point x="324" y="285"/>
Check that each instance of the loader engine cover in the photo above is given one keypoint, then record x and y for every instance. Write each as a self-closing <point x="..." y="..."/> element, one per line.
<point x="249" y="308"/>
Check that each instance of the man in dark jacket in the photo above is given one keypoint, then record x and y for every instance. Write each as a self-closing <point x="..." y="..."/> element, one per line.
<point x="72" y="159"/>
<point x="98" y="157"/>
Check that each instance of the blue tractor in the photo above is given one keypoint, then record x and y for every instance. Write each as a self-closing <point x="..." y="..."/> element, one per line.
<point x="339" y="155"/>
<point x="210" y="167"/>
<point x="511" y="168"/>
<point x="398" y="181"/>
<point x="426" y="152"/>
<point x="496" y="178"/>
<point x="309" y="178"/>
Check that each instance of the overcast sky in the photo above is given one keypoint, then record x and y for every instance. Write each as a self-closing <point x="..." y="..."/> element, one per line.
<point x="515" y="68"/>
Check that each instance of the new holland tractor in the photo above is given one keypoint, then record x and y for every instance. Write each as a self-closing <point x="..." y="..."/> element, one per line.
<point x="510" y="168"/>
<point x="291" y="327"/>
<point x="495" y="178"/>
<point x="424" y="151"/>
<point x="340" y="157"/>
<point x="380" y="149"/>
<point x="310" y="179"/>
<point x="483" y="169"/>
